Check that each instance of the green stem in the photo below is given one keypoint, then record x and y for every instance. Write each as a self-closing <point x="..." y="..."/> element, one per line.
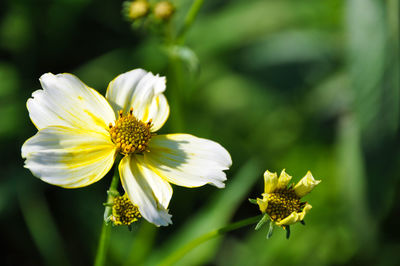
<point x="106" y="228"/>
<point x="190" y="17"/>
<point x="175" y="91"/>
<point x="175" y="256"/>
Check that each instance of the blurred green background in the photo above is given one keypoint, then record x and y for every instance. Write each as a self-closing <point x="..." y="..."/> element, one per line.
<point x="302" y="85"/>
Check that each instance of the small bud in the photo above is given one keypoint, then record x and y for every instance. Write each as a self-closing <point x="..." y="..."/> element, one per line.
<point x="164" y="10"/>
<point x="136" y="9"/>
<point x="124" y="212"/>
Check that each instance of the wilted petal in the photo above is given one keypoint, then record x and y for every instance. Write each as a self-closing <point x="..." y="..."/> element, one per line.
<point x="263" y="203"/>
<point x="283" y="180"/>
<point x="270" y="181"/>
<point x="295" y="217"/>
<point x="305" y="185"/>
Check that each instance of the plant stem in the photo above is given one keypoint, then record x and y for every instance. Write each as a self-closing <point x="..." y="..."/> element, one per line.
<point x="190" y="17"/>
<point x="175" y="256"/>
<point x="106" y="228"/>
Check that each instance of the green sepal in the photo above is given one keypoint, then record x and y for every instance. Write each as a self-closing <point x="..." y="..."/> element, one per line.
<point x="253" y="201"/>
<point x="263" y="220"/>
<point x="107" y="220"/>
<point x="287" y="227"/>
<point x="113" y="193"/>
<point x="271" y="229"/>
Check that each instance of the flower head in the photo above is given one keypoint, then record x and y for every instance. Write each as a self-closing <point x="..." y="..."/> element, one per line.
<point x="80" y="134"/>
<point x="282" y="203"/>
<point x="123" y="211"/>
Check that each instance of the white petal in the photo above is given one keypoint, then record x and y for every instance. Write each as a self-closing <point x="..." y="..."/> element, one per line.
<point x="305" y="185"/>
<point x="283" y="180"/>
<point x="270" y="181"/>
<point x="67" y="101"/>
<point x="69" y="157"/>
<point x="142" y="91"/>
<point x="188" y="161"/>
<point x="146" y="190"/>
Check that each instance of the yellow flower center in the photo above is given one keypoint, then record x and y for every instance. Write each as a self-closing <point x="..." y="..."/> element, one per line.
<point x="124" y="212"/>
<point x="281" y="203"/>
<point x="130" y="134"/>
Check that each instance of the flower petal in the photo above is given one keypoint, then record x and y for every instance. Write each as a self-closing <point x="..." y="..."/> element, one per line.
<point x="142" y="91"/>
<point x="305" y="185"/>
<point x="262" y="204"/>
<point x="188" y="161"/>
<point x="67" y="101"/>
<point x="146" y="189"/>
<point x="270" y="181"/>
<point x="69" y="157"/>
<point x="295" y="217"/>
<point x="283" y="180"/>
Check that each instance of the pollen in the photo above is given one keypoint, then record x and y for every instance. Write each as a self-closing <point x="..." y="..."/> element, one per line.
<point x="282" y="202"/>
<point x="124" y="212"/>
<point x="129" y="134"/>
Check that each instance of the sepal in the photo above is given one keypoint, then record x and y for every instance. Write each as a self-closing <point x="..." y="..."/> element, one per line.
<point x="263" y="220"/>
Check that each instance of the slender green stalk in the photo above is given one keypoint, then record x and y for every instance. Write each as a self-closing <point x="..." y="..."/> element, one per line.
<point x="106" y="228"/>
<point x="175" y="64"/>
<point x="175" y="256"/>
<point x="176" y="92"/>
<point x="190" y="17"/>
<point x="102" y="247"/>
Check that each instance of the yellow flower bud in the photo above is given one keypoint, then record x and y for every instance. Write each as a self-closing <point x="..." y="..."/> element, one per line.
<point x="164" y="10"/>
<point x="138" y="9"/>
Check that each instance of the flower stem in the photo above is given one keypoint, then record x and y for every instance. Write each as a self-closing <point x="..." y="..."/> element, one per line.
<point x="106" y="228"/>
<point x="190" y="17"/>
<point x="175" y="256"/>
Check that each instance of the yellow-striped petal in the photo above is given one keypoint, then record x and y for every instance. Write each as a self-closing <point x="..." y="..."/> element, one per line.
<point x="188" y="161"/>
<point x="67" y="101"/>
<point x="142" y="91"/>
<point x="69" y="157"/>
<point x="305" y="185"/>
<point x="283" y="180"/>
<point x="270" y="181"/>
<point x="146" y="190"/>
<point x="295" y="217"/>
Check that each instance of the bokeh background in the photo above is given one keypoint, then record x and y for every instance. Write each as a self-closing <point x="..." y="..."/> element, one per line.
<point x="302" y="85"/>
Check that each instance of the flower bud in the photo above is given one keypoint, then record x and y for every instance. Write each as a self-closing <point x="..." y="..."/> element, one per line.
<point x="164" y="10"/>
<point x="137" y="9"/>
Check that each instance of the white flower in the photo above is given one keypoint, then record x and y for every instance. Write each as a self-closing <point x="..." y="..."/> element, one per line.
<point x="80" y="133"/>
